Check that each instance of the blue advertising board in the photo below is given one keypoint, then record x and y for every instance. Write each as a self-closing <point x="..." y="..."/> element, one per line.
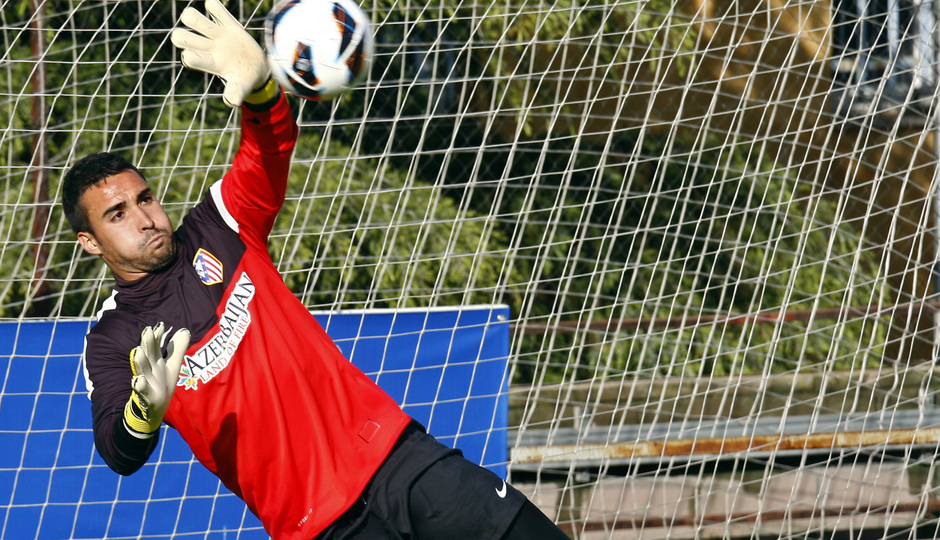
<point x="446" y="367"/>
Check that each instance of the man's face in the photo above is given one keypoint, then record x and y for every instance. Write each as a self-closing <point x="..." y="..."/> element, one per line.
<point x="129" y="229"/>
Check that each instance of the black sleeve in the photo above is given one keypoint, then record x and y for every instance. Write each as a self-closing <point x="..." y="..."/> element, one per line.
<point x="123" y="452"/>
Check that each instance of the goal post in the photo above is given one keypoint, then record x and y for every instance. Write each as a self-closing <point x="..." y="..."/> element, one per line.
<point x="713" y="224"/>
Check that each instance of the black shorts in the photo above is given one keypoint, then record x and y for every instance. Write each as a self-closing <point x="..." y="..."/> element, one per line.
<point x="425" y="489"/>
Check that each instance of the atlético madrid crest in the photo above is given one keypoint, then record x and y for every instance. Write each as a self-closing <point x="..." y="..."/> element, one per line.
<point x="208" y="267"/>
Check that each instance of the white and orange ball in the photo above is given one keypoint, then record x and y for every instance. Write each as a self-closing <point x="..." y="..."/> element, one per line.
<point x="318" y="49"/>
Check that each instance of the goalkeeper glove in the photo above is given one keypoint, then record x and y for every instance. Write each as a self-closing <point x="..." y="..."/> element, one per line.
<point x="154" y="379"/>
<point x="221" y="47"/>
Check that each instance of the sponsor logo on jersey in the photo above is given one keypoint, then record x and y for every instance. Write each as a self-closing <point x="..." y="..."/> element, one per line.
<point x="208" y="267"/>
<point x="217" y="353"/>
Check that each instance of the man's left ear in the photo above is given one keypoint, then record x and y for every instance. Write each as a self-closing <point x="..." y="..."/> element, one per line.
<point x="89" y="243"/>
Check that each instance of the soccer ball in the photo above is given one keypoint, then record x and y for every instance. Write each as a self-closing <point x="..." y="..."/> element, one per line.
<point x="318" y="49"/>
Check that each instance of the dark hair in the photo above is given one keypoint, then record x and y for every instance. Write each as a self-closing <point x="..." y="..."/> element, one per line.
<point x="87" y="172"/>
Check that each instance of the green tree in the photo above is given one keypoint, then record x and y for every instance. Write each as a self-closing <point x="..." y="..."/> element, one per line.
<point x="445" y="181"/>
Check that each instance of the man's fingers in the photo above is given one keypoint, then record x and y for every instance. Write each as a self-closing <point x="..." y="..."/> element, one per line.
<point x="184" y="39"/>
<point x="222" y="47"/>
<point x="200" y="62"/>
<point x="221" y="15"/>
<point x="140" y="365"/>
<point x="176" y="350"/>
<point x="154" y="377"/>
<point x="199" y="22"/>
<point x="150" y="342"/>
<point x="142" y="390"/>
<point x="140" y="384"/>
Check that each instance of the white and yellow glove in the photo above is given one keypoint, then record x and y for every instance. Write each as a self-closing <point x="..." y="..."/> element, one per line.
<point x="154" y="379"/>
<point x="220" y="46"/>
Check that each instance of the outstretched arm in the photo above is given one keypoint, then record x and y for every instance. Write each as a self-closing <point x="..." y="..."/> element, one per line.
<point x="253" y="190"/>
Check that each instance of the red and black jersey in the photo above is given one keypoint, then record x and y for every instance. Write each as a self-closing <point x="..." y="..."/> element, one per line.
<point x="265" y="399"/>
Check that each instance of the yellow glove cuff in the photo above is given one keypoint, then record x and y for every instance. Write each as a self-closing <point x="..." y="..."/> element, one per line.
<point x="133" y="418"/>
<point x="263" y="94"/>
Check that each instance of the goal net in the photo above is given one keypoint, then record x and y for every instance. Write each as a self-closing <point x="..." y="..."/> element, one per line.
<point x="713" y="223"/>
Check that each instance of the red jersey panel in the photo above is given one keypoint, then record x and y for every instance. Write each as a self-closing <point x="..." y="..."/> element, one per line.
<point x="265" y="399"/>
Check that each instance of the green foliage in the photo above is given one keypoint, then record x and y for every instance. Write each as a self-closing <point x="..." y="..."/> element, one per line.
<point x="571" y="42"/>
<point x="370" y="236"/>
<point x="715" y="252"/>
<point x="402" y="196"/>
<point x="95" y="96"/>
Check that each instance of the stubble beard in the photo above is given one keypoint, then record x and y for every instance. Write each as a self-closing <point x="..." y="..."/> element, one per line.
<point x="154" y="259"/>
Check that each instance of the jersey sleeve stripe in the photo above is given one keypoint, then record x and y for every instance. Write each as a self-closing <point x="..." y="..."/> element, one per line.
<point x="108" y="304"/>
<point x="215" y="191"/>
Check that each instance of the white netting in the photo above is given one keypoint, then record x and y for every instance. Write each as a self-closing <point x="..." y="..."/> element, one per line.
<point x="712" y="221"/>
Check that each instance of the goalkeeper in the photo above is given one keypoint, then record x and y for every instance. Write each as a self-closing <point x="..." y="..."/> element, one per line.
<point x="201" y="333"/>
